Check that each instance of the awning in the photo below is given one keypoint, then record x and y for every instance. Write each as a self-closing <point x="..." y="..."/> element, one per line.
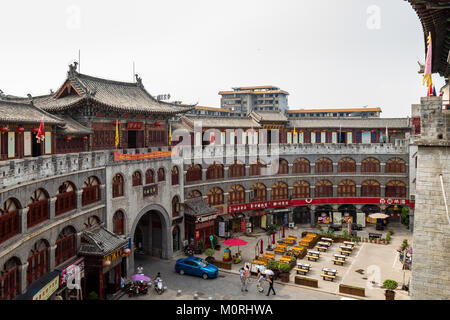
<point x="238" y="215"/>
<point x="226" y="217"/>
<point x="280" y="210"/>
<point x="43" y="288"/>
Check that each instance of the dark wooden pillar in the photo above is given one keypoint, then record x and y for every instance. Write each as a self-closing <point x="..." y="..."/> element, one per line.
<point x="100" y="284"/>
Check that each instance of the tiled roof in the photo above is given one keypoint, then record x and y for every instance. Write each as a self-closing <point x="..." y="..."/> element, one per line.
<point x="14" y="112"/>
<point x="100" y="242"/>
<point x="268" y="116"/>
<point x="198" y="206"/>
<point x="335" y="110"/>
<point x="73" y="127"/>
<point x="221" y="122"/>
<point x="371" y="123"/>
<point x="120" y="96"/>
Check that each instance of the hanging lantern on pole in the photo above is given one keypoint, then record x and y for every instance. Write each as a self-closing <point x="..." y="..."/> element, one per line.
<point x="283" y="231"/>
<point x="261" y="251"/>
<point x="273" y="237"/>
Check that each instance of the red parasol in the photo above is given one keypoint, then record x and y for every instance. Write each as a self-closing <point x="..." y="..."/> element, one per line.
<point x="235" y="242"/>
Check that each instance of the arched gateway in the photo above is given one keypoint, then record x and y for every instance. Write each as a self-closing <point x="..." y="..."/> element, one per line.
<point x="151" y="233"/>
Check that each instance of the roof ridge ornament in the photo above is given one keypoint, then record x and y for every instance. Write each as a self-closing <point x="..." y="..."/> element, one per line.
<point x="73" y="68"/>
<point x="31" y="98"/>
<point x="139" y="80"/>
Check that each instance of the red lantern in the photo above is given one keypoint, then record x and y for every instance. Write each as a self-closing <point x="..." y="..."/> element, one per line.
<point x="20" y="129"/>
<point x="158" y="124"/>
<point x="68" y="139"/>
<point x="4" y="129"/>
<point x="85" y="138"/>
<point x="106" y="263"/>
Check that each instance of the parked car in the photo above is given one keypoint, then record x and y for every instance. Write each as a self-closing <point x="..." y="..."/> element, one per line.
<point x="196" y="266"/>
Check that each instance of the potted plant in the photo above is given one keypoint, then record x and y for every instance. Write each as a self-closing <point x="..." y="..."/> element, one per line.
<point x="391" y="231"/>
<point x="388" y="238"/>
<point x="284" y="272"/>
<point x="404" y="244"/>
<point x="390" y="286"/>
<point x="210" y="255"/>
<point x="293" y="262"/>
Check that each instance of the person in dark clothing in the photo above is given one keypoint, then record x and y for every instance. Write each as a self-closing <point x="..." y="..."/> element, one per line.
<point x="271" y="285"/>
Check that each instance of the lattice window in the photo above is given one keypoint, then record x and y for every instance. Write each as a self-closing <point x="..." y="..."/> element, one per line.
<point x="149" y="176"/>
<point x="9" y="219"/>
<point x="38" y="262"/>
<point x="259" y="192"/>
<point x="66" y="198"/>
<point x="324" y="165"/>
<point x="395" y="165"/>
<point x="395" y="189"/>
<point x="347" y="165"/>
<point x="323" y="189"/>
<point x="236" y="195"/>
<point x="346" y="188"/>
<point x="280" y="191"/>
<point x="91" y="191"/>
<point x="301" y="165"/>
<point x="118" y="222"/>
<point x="117" y="186"/>
<point x="215" y="196"/>
<point x="370" y="188"/>
<point x="370" y="165"/>
<point x="301" y="189"/>
<point x="65" y="245"/>
<point x="38" y="209"/>
<point x="137" y="179"/>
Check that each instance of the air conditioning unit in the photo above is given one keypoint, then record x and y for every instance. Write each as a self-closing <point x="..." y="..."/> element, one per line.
<point x="291" y="224"/>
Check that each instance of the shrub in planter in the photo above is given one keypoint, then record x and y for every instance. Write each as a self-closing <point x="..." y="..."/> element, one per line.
<point x="357" y="291"/>
<point x="390" y="286"/>
<point x="391" y="231"/>
<point x="306" y="281"/>
<point x="272" y="265"/>
<point x="284" y="272"/>
<point x="388" y="238"/>
<point x="209" y="252"/>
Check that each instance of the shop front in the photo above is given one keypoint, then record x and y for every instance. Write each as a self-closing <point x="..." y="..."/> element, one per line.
<point x="257" y="220"/>
<point x="199" y="222"/>
<point x="280" y="216"/>
<point x="323" y="215"/>
<point x="42" y="289"/>
<point x="104" y="253"/>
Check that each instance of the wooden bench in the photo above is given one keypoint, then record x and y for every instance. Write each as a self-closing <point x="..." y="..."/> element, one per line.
<point x="301" y="271"/>
<point x="323" y="249"/>
<point x="314" y="258"/>
<point x="336" y="261"/>
<point x="327" y="276"/>
<point x="289" y="241"/>
<point x="279" y="250"/>
<point x="258" y="262"/>
<point x="285" y="259"/>
<point x="344" y="252"/>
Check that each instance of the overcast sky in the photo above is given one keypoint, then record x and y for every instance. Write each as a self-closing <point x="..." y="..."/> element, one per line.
<point x="325" y="53"/>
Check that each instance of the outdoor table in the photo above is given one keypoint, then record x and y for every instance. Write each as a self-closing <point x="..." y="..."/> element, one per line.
<point x="351" y="244"/>
<point x="325" y="244"/>
<point x="270" y="256"/>
<point x="347" y="253"/>
<point x="282" y="245"/>
<point x="304" y="265"/>
<point x="340" y="257"/>
<point x="292" y="237"/>
<point x="330" y="272"/>
<point x="314" y="253"/>
<point x="348" y="248"/>
<point x="327" y="239"/>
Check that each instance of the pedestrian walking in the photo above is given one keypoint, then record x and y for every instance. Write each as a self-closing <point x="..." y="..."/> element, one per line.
<point x="271" y="285"/>
<point x="243" y="280"/>
<point x="260" y="279"/>
<point x="247" y="275"/>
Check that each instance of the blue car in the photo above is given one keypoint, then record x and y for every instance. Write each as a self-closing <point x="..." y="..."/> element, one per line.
<point x="197" y="267"/>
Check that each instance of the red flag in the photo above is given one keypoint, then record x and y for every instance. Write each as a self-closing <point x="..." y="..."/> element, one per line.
<point x="40" y="134"/>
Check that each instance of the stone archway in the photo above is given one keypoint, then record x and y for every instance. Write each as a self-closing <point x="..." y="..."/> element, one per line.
<point x="153" y="228"/>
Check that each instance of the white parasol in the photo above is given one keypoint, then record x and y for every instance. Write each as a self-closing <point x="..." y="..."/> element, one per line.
<point x="378" y="216"/>
<point x="269" y="272"/>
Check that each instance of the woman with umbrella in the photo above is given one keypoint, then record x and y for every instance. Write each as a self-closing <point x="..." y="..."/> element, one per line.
<point x="270" y="276"/>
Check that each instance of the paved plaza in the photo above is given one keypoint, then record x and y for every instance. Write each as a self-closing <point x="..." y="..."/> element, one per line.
<point x="367" y="266"/>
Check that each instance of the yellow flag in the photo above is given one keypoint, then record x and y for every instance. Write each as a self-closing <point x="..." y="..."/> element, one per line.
<point x="294" y="131"/>
<point x="116" y="140"/>
<point x="170" y="134"/>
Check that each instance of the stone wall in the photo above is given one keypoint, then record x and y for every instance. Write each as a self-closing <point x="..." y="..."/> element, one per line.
<point x="430" y="278"/>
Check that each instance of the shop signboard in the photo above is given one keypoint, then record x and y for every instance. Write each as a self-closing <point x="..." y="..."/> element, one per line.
<point x="324" y="219"/>
<point x="72" y="270"/>
<point x="221" y="229"/>
<point x="47" y="291"/>
<point x="134" y="125"/>
<point x="337" y="217"/>
<point x="258" y="205"/>
<point x="378" y="201"/>
<point x="243" y="224"/>
<point x="361" y="218"/>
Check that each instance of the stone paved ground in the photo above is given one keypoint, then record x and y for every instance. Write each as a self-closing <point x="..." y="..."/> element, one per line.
<point x="379" y="262"/>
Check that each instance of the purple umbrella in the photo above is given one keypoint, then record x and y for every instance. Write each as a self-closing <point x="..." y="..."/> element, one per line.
<point x="140" y="277"/>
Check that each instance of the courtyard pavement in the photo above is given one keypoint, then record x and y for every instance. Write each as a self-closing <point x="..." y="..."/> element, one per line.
<point x="368" y="266"/>
<point x="374" y="262"/>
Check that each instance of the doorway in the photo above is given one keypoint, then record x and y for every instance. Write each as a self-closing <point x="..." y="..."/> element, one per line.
<point x="132" y="139"/>
<point x="36" y="149"/>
